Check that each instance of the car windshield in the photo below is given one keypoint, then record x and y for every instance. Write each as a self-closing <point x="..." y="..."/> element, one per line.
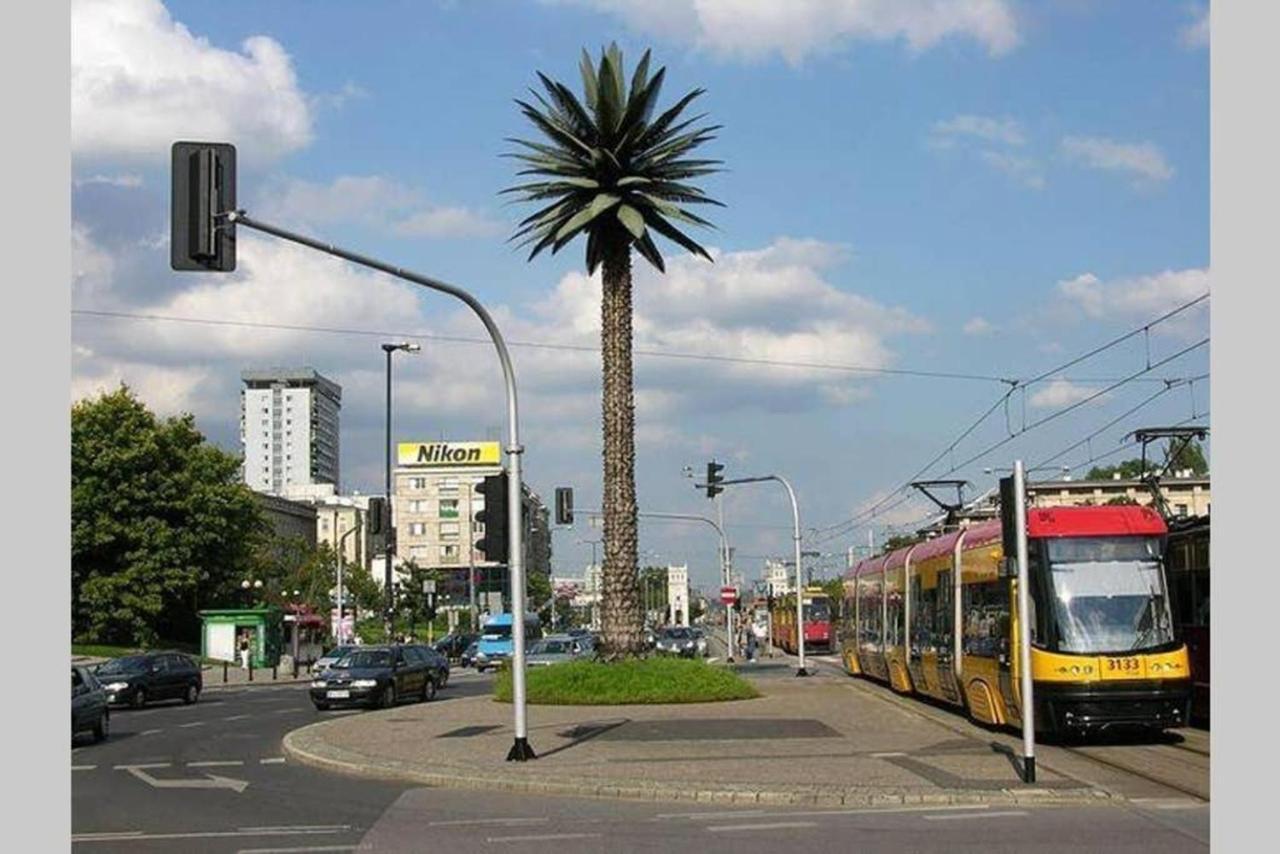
<point x="676" y="634"/>
<point x="367" y="658"/>
<point x="1109" y="594"/>
<point x="551" y="647"/>
<point x="128" y="664"/>
<point x="497" y="632"/>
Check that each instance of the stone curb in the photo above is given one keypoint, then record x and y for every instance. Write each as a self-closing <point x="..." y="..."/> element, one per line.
<point x="307" y="746"/>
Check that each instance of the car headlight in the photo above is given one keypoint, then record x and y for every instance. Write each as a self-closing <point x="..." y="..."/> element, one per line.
<point x="318" y="683"/>
<point x="365" y="683"/>
<point x="116" y="686"/>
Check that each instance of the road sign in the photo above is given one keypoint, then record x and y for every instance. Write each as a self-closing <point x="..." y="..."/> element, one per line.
<point x="729" y="595"/>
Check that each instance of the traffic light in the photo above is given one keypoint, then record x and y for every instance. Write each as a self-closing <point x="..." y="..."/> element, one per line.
<point x="378" y="515"/>
<point x="714" y="479"/>
<point x="202" y="185"/>
<point x="494" y="518"/>
<point x="564" y="505"/>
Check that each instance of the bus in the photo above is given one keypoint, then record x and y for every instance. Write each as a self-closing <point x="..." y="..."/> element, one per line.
<point x="496" y="644"/>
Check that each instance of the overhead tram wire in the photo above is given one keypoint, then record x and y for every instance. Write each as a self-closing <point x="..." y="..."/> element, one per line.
<point x="544" y="345"/>
<point x="840" y="528"/>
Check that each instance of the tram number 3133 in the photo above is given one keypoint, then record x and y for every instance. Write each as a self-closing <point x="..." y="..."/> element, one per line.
<point x="1123" y="664"/>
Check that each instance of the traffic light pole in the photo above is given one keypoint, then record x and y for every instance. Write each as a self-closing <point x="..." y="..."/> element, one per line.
<point x="520" y="749"/>
<point x="795" y="515"/>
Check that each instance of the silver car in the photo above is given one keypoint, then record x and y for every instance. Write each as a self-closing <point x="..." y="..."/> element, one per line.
<point x="557" y="649"/>
<point x="332" y="657"/>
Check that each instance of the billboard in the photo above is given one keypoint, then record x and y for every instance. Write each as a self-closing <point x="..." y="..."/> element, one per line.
<point x="456" y="454"/>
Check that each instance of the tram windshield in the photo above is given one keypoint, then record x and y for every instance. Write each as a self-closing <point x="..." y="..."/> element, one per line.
<point x="1109" y="594"/>
<point x="817" y="611"/>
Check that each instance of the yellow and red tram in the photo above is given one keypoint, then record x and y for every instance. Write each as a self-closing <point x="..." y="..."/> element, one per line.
<point x="940" y="619"/>
<point x="818" y="634"/>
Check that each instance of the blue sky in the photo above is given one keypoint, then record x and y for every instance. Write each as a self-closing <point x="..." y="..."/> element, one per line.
<point x="987" y="187"/>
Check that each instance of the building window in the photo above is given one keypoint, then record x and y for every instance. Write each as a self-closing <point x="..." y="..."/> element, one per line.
<point x="448" y="530"/>
<point x="1180" y="509"/>
<point x="449" y="485"/>
<point x="417" y="483"/>
<point x="449" y="554"/>
<point x="417" y="529"/>
<point x="448" y="508"/>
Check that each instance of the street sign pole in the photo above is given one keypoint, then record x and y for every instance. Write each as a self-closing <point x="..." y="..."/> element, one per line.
<point x="1024" y="625"/>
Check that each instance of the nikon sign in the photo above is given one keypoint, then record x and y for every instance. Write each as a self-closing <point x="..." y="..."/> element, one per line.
<point x="459" y="454"/>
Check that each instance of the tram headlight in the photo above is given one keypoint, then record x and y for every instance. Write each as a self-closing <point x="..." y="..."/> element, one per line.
<point x="1075" y="670"/>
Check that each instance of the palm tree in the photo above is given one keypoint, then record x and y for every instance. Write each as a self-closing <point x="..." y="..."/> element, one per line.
<point x="612" y="172"/>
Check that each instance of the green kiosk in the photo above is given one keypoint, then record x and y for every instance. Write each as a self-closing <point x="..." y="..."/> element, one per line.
<point x="222" y="630"/>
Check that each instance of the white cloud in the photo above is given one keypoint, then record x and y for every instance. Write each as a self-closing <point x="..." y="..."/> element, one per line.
<point x="372" y="200"/>
<point x="1061" y="392"/>
<point x="92" y="267"/>
<point x="1142" y="160"/>
<point x="1141" y="298"/>
<point x="978" y="326"/>
<point x="1006" y="131"/>
<point x="128" y="181"/>
<point x="1023" y="170"/>
<point x="797" y="29"/>
<point x="1196" y="34"/>
<point x="140" y="80"/>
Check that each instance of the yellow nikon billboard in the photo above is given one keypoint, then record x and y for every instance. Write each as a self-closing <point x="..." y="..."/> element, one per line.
<point x="449" y="454"/>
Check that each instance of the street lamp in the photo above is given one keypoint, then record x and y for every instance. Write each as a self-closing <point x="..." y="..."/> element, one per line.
<point x="391" y="541"/>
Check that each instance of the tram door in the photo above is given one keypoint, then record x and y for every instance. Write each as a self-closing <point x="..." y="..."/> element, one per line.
<point x="1007" y="626"/>
<point x="944" y="634"/>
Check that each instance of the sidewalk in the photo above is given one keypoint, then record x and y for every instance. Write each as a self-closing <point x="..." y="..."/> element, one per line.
<point x="804" y="741"/>
<point x="213" y="675"/>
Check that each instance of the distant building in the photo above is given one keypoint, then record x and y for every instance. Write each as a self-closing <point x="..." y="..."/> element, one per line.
<point x="289" y="429"/>
<point x="678" y="595"/>
<point x="777" y="577"/>
<point x="289" y="519"/>
<point x="1186" y="494"/>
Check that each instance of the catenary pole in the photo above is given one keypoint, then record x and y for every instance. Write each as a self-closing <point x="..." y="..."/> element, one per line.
<point x="1024" y="625"/>
<point x="520" y="749"/>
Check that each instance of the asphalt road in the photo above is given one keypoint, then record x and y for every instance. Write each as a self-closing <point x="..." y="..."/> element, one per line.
<point x="211" y="778"/>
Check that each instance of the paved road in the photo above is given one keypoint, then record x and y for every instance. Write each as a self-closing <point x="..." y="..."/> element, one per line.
<point x="211" y="778"/>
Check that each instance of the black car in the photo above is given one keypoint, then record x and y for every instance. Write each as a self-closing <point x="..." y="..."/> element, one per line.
<point x="453" y="646"/>
<point x="136" y="680"/>
<point x="468" y="656"/>
<point x="381" y="676"/>
<point x="88" y="705"/>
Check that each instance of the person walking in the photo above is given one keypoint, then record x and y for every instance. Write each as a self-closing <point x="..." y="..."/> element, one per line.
<point x="751" y="644"/>
<point x="244" y="650"/>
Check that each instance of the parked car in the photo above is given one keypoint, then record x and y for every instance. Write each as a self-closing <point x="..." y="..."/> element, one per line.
<point x="455" y="644"/>
<point x="468" y="656"/>
<point x="88" y="705"/>
<point x="678" y="640"/>
<point x="136" y="680"/>
<point x="331" y="658"/>
<point x="556" y="649"/>
<point x="379" y="676"/>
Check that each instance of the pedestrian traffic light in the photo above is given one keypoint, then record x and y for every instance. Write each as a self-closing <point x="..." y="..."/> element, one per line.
<point x="564" y="505"/>
<point x="203" y="188"/>
<point x="714" y="479"/>
<point x="494" y="518"/>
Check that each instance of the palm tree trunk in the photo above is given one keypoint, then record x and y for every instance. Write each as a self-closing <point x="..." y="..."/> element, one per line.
<point x="622" y="629"/>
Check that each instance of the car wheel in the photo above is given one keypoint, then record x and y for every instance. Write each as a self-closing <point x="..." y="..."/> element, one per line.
<point x="103" y="727"/>
<point x="193" y="694"/>
<point x="139" y="698"/>
<point x="389" y="696"/>
<point x="321" y="707"/>
<point x="428" y="690"/>
<point x="444" y="679"/>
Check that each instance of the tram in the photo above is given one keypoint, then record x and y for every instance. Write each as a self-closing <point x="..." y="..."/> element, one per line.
<point x="939" y="619"/>
<point x="1188" y="562"/>
<point x="818" y="636"/>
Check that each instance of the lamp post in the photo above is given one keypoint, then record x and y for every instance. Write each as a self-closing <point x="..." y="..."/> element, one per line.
<point x="391" y="541"/>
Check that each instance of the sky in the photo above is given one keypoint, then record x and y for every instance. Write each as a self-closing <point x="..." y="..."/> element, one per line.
<point x="927" y="205"/>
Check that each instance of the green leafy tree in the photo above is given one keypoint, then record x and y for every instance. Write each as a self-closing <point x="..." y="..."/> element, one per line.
<point x="1188" y="456"/>
<point x="609" y="171"/>
<point x="898" y="541"/>
<point x="161" y="525"/>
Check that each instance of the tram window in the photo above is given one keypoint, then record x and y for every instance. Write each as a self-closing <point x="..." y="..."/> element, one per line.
<point x="986" y="617"/>
<point x="922" y="605"/>
<point x="893" y="631"/>
<point x="942" y="622"/>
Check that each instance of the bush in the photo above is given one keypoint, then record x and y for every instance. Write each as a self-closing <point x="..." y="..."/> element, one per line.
<point x="633" y="681"/>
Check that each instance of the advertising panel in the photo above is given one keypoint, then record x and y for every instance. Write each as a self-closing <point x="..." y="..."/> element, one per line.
<point x="453" y="454"/>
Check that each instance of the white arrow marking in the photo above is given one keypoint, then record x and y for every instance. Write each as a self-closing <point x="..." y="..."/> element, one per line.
<point x="210" y="781"/>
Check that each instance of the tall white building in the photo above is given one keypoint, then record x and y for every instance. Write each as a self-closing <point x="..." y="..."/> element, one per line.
<point x="289" y="429"/>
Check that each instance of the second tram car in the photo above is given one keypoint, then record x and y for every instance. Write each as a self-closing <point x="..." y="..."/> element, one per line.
<point x="940" y="619"/>
<point x="818" y="634"/>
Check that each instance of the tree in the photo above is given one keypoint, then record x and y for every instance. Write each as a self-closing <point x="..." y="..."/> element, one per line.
<point x="1188" y="456"/>
<point x="611" y="172"/>
<point x="898" y="541"/>
<point x="160" y="523"/>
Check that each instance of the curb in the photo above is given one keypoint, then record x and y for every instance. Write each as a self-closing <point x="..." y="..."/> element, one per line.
<point x="307" y="746"/>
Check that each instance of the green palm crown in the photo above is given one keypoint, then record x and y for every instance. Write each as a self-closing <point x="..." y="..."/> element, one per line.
<point x="609" y="169"/>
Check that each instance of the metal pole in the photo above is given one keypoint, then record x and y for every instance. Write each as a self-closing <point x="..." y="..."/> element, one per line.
<point x="342" y="594"/>
<point x="520" y="749"/>
<point x="471" y="576"/>
<point x="389" y="604"/>
<point x="725" y="581"/>
<point x="795" y="513"/>
<point x="1024" y="626"/>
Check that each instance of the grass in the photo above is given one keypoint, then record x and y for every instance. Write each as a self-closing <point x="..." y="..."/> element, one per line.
<point x="98" y="650"/>
<point x="633" y="681"/>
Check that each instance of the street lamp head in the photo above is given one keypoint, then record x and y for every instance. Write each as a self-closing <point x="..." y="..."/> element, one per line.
<point x="257" y="584"/>
<point x="403" y="345"/>
<point x="244" y="584"/>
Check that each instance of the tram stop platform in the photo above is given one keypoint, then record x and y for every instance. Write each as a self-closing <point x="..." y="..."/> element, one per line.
<point x="825" y="740"/>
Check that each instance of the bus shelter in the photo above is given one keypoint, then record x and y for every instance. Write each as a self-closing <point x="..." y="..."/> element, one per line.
<point x="222" y="630"/>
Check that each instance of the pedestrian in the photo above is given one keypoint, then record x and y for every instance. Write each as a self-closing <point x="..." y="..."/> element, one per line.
<point x="751" y="645"/>
<point x="244" y="650"/>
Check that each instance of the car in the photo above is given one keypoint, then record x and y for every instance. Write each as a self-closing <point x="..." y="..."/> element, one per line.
<point x="468" y="656"/>
<point x="454" y="645"/>
<point x="496" y="644"/>
<point x="332" y="657"/>
<point x="437" y="661"/>
<point x="135" y="680"/>
<point x="88" y="705"/>
<point x="381" y="675"/>
<point x="555" y="649"/>
<point x="678" y="640"/>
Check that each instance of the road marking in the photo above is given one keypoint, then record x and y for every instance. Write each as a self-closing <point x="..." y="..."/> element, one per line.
<point x="193" y="723"/>
<point x="288" y="711"/>
<point x="150" y="732"/>
<point x="83" y="767"/>
<point x="274" y="760"/>
<point x="464" y="821"/>
<point x="809" y="813"/>
<point x="209" y="781"/>
<point x="299" y="850"/>
<point x="886" y="755"/>
<point x="145" y="765"/>
<point x="710" y="815"/>
<point x="777" y="825"/>
<point x="1168" y="803"/>
<point x="293" y="828"/>
<point x="215" y="763"/>
<point x="237" y="717"/>
<point x="543" y="837"/>
<point x="202" y="834"/>
<point x="991" y="814"/>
